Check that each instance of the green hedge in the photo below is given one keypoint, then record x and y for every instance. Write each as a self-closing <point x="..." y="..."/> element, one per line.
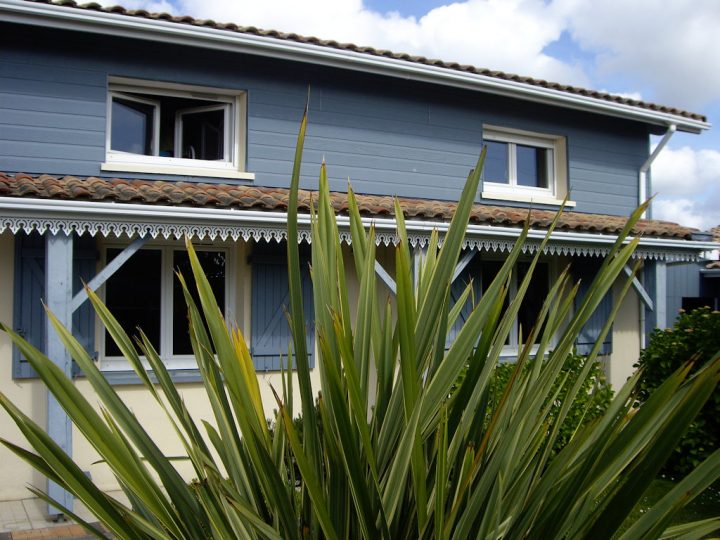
<point x="695" y="335"/>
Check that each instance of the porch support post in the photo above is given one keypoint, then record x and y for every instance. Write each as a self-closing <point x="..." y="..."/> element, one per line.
<point x="418" y="257"/>
<point x="58" y="287"/>
<point x="661" y="294"/>
<point x="656" y="282"/>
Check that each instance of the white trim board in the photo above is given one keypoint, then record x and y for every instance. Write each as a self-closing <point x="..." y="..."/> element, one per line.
<point x="156" y="221"/>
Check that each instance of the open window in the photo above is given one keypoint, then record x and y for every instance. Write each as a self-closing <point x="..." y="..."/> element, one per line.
<point x="175" y="129"/>
<point x="524" y="166"/>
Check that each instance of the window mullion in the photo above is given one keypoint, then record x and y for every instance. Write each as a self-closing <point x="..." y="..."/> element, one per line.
<point x="512" y="164"/>
<point x="166" y="308"/>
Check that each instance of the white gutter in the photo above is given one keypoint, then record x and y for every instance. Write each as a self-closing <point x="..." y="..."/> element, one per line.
<point x="145" y="214"/>
<point x="118" y="25"/>
<point x="648" y="163"/>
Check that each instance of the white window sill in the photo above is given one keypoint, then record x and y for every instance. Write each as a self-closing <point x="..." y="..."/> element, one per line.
<point x="184" y="171"/>
<point x="524" y="197"/>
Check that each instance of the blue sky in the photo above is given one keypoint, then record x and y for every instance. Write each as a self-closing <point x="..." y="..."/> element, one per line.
<point x="668" y="56"/>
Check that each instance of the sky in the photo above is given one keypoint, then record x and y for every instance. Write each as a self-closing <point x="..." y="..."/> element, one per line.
<point x="662" y="52"/>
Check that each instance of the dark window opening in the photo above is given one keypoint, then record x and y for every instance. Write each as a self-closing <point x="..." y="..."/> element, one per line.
<point x="133" y="296"/>
<point x="213" y="263"/>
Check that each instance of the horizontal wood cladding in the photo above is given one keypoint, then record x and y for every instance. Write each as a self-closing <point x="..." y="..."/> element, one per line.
<point x="387" y="136"/>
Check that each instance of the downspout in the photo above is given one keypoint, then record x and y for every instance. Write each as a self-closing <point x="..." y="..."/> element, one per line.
<point x="648" y="163"/>
<point x="642" y="191"/>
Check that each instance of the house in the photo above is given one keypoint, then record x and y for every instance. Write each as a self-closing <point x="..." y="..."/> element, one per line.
<point x="695" y="284"/>
<point x="124" y="131"/>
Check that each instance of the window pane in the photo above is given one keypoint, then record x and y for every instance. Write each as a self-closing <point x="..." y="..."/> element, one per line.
<point x="532" y="166"/>
<point x="133" y="295"/>
<point x="213" y="263"/>
<point x="132" y="127"/>
<point x="496" y="162"/>
<point x="534" y="298"/>
<point x="203" y="135"/>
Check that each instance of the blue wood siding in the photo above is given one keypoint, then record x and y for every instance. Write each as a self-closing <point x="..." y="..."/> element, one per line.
<point x="683" y="280"/>
<point x="388" y="136"/>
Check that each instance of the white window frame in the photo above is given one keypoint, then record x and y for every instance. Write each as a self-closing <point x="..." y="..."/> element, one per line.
<point x="235" y="104"/>
<point x="155" y="104"/>
<point x="228" y="123"/>
<point x="556" y="167"/>
<point x="171" y="361"/>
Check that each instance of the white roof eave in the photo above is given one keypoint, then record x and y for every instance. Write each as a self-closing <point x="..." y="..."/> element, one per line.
<point x="48" y="15"/>
<point x="131" y="220"/>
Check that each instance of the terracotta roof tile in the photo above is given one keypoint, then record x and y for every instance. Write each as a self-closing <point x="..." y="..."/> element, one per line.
<point x="245" y="197"/>
<point x="274" y="34"/>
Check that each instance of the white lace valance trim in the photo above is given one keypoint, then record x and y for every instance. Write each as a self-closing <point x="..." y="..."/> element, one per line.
<point x="277" y="232"/>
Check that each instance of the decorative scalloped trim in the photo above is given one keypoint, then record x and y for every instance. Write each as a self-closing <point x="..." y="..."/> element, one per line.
<point x="278" y="233"/>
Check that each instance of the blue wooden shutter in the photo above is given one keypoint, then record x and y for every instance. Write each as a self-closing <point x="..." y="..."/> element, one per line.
<point x="271" y="335"/>
<point x="29" y="291"/>
<point x="585" y="270"/>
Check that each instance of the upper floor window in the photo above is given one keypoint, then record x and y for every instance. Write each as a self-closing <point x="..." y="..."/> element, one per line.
<point x="175" y="129"/>
<point x="524" y="166"/>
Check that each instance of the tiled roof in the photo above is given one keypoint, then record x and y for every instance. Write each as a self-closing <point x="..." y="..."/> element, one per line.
<point x="274" y="34"/>
<point x="247" y="197"/>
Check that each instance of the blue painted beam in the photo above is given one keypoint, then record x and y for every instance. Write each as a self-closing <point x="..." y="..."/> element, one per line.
<point x="644" y="296"/>
<point x="385" y="277"/>
<point x="462" y="264"/>
<point x="58" y="287"/>
<point x="105" y="274"/>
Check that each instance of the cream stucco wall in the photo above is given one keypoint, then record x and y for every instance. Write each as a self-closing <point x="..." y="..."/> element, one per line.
<point x="29" y="396"/>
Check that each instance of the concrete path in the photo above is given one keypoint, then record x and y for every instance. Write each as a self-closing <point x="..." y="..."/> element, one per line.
<point x="27" y="519"/>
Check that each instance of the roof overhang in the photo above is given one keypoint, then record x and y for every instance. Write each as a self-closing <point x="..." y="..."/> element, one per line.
<point x="133" y="220"/>
<point x="47" y="15"/>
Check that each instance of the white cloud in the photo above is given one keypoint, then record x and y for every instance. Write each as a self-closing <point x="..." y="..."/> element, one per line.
<point x="507" y="35"/>
<point x="687" y="184"/>
<point x="681" y="211"/>
<point x="672" y="47"/>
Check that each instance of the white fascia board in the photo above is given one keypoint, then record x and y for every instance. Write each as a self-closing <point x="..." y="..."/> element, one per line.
<point x="23" y="12"/>
<point x="156" y="214"/>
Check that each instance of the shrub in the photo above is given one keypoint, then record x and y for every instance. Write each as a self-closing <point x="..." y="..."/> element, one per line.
<point x="695" y="335"/>
<point x="591" y="401"/>
<point x="389" y="451"/>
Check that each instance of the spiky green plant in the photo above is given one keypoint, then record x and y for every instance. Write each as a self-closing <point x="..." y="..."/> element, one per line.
<point x="394" y="446"/>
